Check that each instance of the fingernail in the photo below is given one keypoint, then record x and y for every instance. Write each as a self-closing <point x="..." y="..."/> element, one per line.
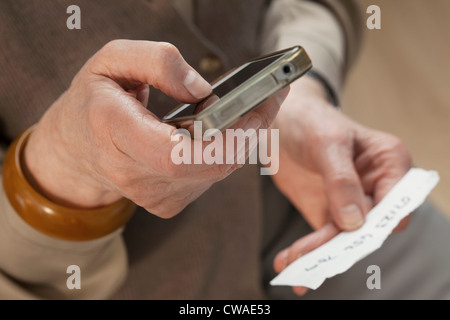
<point x="253" y="123"/>
<point x="351" y="217"/>
<point x="197" y="86"/>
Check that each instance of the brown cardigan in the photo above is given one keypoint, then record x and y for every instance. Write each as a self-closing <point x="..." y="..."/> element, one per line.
<point x="211" y="250"/>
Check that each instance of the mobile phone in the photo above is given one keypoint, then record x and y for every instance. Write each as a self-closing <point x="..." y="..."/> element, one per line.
<point x="242" y="89"/>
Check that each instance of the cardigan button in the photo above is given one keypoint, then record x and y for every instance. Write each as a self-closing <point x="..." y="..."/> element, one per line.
<point x="210" y="64"/>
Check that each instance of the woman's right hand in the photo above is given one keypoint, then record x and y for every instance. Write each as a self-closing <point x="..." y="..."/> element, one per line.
<point x="98" y="143"/>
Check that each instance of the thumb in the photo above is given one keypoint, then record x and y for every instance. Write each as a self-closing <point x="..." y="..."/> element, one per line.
<point x="343" y="187"/>
<point x="158" y="64"/>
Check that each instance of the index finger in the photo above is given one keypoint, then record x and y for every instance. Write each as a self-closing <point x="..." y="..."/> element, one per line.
<point x="158" y="64"/>
<point x="302" y="247"/>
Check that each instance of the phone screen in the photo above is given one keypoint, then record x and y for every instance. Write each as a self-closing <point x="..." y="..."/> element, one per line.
<point x="223" y="86"/>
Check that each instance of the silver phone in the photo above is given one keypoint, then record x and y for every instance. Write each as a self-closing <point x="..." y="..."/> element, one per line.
<point x="242" y="89"/>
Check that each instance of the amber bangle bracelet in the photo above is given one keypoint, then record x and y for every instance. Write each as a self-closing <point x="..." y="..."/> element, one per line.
<point x="53" y="219"/>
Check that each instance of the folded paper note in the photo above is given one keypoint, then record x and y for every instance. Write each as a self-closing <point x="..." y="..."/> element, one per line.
<point x="343" y="251"/>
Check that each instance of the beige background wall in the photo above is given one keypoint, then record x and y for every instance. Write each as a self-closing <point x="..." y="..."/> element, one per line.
<point x="401" y="82"/>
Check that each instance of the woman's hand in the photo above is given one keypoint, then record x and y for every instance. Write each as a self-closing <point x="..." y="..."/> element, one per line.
<point x="98" y="142"/>
<point x="331" y="168"/>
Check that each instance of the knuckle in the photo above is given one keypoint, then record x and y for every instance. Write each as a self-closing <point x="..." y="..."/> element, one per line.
<point x="394" y="142"/>
<point x="112" y="46"/>
<point x="108" y="49"/>
<point x="397" y="145"/>
<point x="166" y="209"/>
<point x="331" y="135"/>
<point x="99" y="61"/>
<point x="343" y="179"/>
<point x="166" y="60"/>
<point x="167" y="50"/>
<point x="168" y="167"/>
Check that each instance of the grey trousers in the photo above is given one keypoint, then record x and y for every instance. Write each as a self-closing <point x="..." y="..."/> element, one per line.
<point x="414" y="264"/>
<point x="201" y="255"/>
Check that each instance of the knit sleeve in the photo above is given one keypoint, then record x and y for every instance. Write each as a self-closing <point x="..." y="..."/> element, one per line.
<point x="328" y="30"/>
